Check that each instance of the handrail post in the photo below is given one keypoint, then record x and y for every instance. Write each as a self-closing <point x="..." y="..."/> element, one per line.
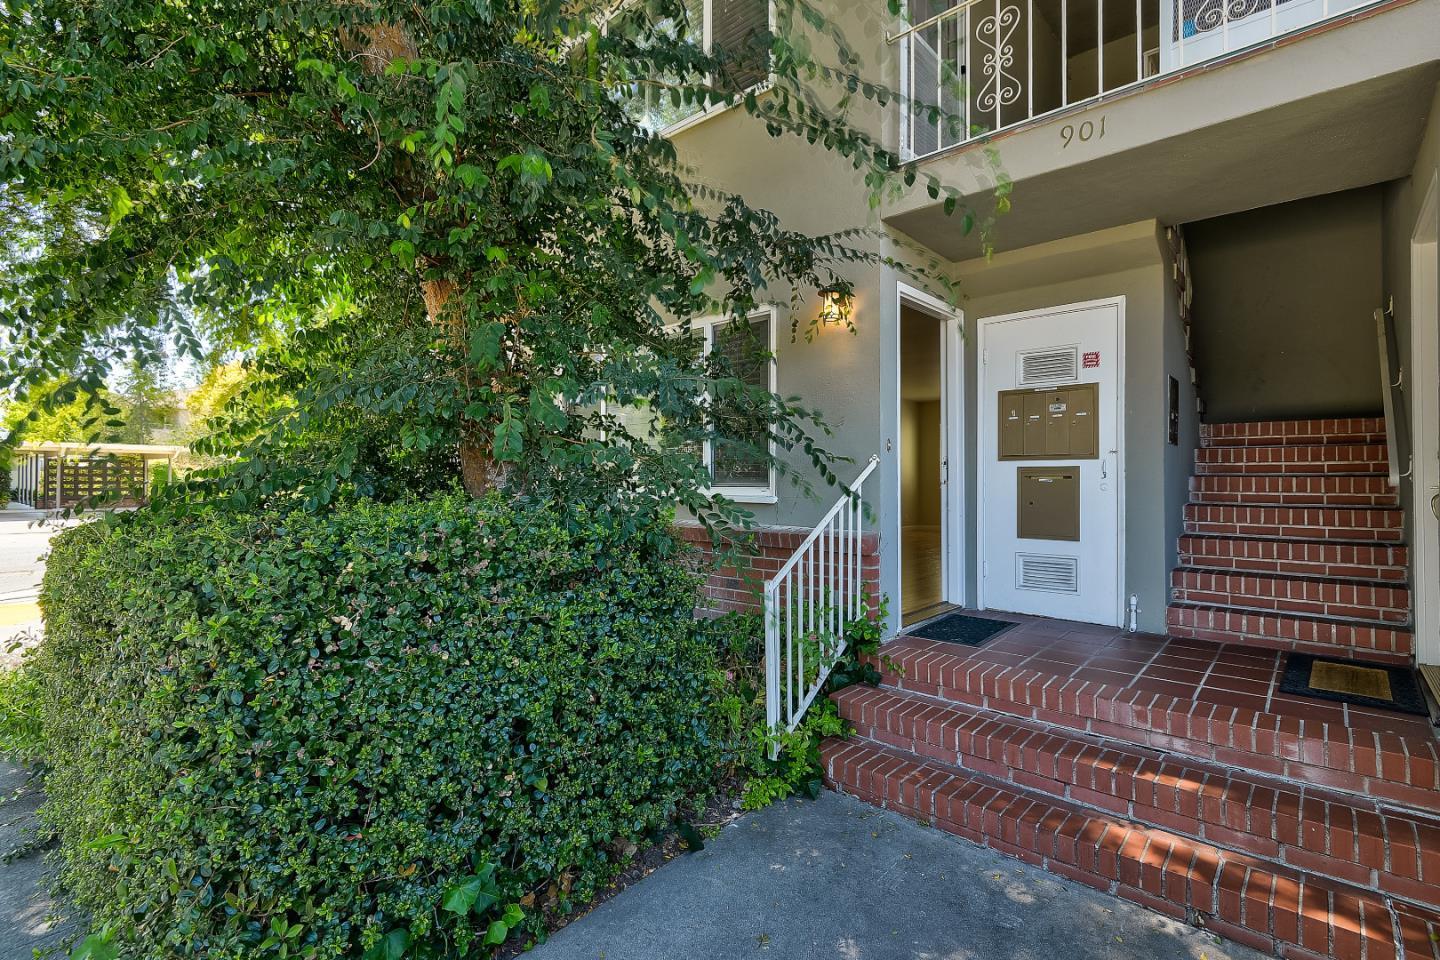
<point x="772" y="665"/>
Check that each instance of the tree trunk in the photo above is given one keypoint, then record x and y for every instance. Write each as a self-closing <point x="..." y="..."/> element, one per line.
<point x="479" y="471"/>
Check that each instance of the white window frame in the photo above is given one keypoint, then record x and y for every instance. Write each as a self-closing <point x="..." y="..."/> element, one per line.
<point x="707" y="327"/>
<point x="707" y="37"/>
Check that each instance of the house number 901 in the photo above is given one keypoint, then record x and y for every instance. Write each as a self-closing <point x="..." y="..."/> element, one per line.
<point x="1084" y="132"/>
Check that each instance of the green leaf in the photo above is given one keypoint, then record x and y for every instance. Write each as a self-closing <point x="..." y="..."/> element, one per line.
<point x="509" y="435"/>
<point x="497" y="933"/>
<point x="460" y="897"/>
<point x="120" y="205"/>
<point x="95" y="947"/>
<point x="485" y="341"/>
<point x="546" y="411"/>
<point x="392" y="946"/>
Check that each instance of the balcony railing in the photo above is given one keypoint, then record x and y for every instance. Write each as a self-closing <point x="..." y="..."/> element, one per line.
<point x="985" y="65"/>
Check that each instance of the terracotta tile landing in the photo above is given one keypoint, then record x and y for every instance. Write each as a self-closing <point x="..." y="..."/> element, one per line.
<point x="1226" y="676"/>
<point x="1213" y="702"/>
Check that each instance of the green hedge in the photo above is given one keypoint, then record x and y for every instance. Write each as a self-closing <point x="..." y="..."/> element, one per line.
<point x="376" y="732"/>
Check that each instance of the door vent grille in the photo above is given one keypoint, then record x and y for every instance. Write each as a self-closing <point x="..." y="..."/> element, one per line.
<point x="1047" y="366"/>
<point x="1035" y="571"/>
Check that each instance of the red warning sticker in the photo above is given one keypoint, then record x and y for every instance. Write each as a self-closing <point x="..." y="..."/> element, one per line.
<point x="1091" y="360"/>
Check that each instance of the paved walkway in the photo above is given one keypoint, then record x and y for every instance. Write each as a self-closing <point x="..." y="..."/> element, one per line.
<point x="25" y="922"/>
<point x="835" y="879"/>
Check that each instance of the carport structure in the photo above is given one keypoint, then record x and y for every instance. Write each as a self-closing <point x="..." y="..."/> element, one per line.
<point x="61" y="475"/>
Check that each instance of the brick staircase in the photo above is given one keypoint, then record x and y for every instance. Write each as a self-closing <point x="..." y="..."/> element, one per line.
<point x="1293" y="541"/>
<point x="1298" y="838"/>
<point x="1149" y="768"/>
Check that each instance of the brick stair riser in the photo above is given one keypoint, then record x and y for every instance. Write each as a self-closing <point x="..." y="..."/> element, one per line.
<point x="1358" y="761"/>
<point x="1368" y="430"/>
<point x="1294" y="491"/>
<point x="1204" y="528"/>
<point x="1270" y="908"/>
<point x="1318" y="468"/>
<point x="1294" y="523"/>
<point x="1340" y="560"/>
<point x="1347" y="839"/>
<point x="1284" y="457"/>
<point x="1281" y="631"/>
<point x="1359" y="601"/>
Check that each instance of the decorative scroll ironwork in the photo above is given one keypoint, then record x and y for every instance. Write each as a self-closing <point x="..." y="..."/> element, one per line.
<point x="1213" y="14"/>
<point x="1001" y="88"/>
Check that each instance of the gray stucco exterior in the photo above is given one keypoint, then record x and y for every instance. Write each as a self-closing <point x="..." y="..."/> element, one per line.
<point x="1211" y="144"/>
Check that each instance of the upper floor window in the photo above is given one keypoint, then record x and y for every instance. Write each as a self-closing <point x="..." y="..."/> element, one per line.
<point x="738" y="28"/>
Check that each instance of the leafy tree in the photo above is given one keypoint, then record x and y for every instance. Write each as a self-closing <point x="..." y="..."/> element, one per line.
<point x="441" y="219"/>
<point x="148" y="404"/>
<point x="41" y="418"/>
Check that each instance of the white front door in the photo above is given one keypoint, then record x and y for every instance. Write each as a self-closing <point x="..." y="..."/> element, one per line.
<point x="1050" y="500"/>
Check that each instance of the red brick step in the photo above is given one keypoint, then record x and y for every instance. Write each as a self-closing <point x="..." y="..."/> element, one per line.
<point x="1297" y="558"/>
<point x="1357" y="759"/>
<point x="1328" y="491"/>
<point x="1350" y="839"/>
<point x="1363" y="600"/>
<point x="1330" y="458"/>
<point x="1272" y="630"/>
<point x="1271" y="432"/>
<point x="1238" y="896"/>
<point x="1367" y="524"/>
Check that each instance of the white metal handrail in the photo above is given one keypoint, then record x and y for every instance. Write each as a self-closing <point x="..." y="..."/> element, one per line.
<point x="1392" y="385"/>
<point x="985" y="65"/>
<point x="808" y="605"/>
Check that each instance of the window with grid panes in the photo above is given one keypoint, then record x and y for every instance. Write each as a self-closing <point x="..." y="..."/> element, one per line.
<point x="739" y="454"/>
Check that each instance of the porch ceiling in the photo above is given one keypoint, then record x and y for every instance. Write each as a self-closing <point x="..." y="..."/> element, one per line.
<point x="1198" y="162"/>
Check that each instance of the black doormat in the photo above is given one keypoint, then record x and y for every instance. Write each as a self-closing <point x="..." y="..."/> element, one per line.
<point x="961" y="628"/>
<point x="1346" y="681"/>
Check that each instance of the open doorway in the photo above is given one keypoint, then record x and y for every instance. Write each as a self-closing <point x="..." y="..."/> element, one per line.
<point x="925" y="514"/>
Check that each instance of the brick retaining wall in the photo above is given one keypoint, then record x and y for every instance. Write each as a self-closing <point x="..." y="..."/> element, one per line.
<point x="738" y="588"/>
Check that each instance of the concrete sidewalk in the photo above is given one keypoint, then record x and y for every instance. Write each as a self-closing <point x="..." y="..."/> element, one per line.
<point x="836" y="879"/>
<point x="25" y="908"/>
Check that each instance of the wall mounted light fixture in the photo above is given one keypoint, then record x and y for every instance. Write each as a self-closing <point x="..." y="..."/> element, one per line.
<point x="836" y="301"/>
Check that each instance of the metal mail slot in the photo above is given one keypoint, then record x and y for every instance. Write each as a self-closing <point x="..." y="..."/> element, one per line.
<point x="1048" y="503"/>
<point x="1054" y="424"/>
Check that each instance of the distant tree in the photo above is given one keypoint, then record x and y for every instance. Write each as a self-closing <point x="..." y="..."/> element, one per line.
<point x="148" y="404"/>
<point x="444" y="220"/>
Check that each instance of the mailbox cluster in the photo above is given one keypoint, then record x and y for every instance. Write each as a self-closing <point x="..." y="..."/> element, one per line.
<point x="1053" y="424"/>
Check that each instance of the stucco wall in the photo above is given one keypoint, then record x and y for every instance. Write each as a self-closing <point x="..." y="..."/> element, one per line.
<point x="1180" y="457"/>
<point x="1284" y="298"/>
<point x="1402" y="201"/>
<point x="817" y="192"/>
<point x="853" y="379"/>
